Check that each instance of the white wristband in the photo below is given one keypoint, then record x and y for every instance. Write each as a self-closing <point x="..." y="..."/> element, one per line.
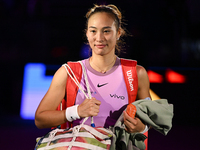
<point x="145" y="130"/>
<point x="71" y="113"/>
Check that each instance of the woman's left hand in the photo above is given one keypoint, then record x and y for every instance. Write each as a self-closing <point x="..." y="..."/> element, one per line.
<point x="133" y="125"/>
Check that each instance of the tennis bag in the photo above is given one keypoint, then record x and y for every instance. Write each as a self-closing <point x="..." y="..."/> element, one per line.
<point x="81" y="137"/>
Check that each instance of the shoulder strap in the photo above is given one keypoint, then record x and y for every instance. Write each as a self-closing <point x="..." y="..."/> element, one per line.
<point x="71" y="90"/>
<point x="131" y="80"/>
<point x="71" y="87"/>
<point x="130" y="77"/>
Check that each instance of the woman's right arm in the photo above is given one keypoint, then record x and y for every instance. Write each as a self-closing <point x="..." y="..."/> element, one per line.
<point x="46" y="115"/>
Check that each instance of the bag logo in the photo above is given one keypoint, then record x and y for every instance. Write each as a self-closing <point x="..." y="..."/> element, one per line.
<point x="130" y="79"/>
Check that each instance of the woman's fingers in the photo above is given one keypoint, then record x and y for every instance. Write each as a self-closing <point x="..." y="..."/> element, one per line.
<point x="133" y="125"/>
<point x="89" y="107"/>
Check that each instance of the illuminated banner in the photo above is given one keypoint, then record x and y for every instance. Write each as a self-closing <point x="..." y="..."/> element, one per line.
<point x="35" y="86"/>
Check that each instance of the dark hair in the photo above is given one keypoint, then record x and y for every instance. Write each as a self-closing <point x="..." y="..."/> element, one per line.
<point x="113" y="10"/>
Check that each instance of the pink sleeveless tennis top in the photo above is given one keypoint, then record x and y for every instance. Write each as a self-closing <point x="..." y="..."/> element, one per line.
<point x="110" y="89"/>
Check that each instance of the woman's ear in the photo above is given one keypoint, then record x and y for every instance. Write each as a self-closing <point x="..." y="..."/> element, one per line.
<point x="119" y="33"/>
<point x="86" y="34"/>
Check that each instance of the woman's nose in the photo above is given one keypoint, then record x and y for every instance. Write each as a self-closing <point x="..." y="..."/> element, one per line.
<point x="99" y="37"/>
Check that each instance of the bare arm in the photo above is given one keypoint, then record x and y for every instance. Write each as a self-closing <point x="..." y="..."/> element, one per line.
<point x="46" y="115"/>
<point x="143" y="83"/>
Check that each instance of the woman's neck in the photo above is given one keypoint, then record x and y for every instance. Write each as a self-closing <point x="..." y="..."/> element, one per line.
<point x="101" y="63"/>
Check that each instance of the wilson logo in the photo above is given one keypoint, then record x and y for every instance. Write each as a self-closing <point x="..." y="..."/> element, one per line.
<point x="116" y="96"/>
<point x="130" y="79"/>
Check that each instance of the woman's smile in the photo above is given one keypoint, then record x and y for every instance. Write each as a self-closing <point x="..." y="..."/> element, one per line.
<point x="100" y="46"/>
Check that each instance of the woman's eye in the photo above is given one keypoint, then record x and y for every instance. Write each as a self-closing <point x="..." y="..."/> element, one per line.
<point x="106" y="31"/>
<point x="93" y="31"/>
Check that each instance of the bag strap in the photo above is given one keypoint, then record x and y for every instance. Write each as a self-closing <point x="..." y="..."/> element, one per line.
<point x="71" y="87"/>
<point x="71" y="90"/>
<point x="72" y="76"/>
<point x="130" y="77"/>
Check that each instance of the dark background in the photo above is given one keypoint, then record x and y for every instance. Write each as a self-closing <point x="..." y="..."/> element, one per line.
<point x="165" y="34"/>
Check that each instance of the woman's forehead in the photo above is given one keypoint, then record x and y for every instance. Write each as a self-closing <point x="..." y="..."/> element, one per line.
<point x="101" y="19"/>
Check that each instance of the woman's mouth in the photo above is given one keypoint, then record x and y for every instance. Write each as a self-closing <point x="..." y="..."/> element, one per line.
<point x="100" y="46"/>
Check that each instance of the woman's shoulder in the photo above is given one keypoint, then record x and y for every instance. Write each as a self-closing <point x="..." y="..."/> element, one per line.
<point x="61" y="70"/>
<point x="60" y="75"/>
<point x="141" y="71"/>
<point x="140" y="68"/>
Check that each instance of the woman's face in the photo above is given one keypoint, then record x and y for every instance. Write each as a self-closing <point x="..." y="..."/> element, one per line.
<point x="102" y="34"/>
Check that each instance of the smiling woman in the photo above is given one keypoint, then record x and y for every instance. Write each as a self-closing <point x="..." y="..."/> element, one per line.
<point x="112" y="12"/>
<point x="102" y="34"/>
<point x="106" y="78"/>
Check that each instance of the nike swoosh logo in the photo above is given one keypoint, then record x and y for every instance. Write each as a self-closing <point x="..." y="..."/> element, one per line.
<point x="101" y="85"/>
